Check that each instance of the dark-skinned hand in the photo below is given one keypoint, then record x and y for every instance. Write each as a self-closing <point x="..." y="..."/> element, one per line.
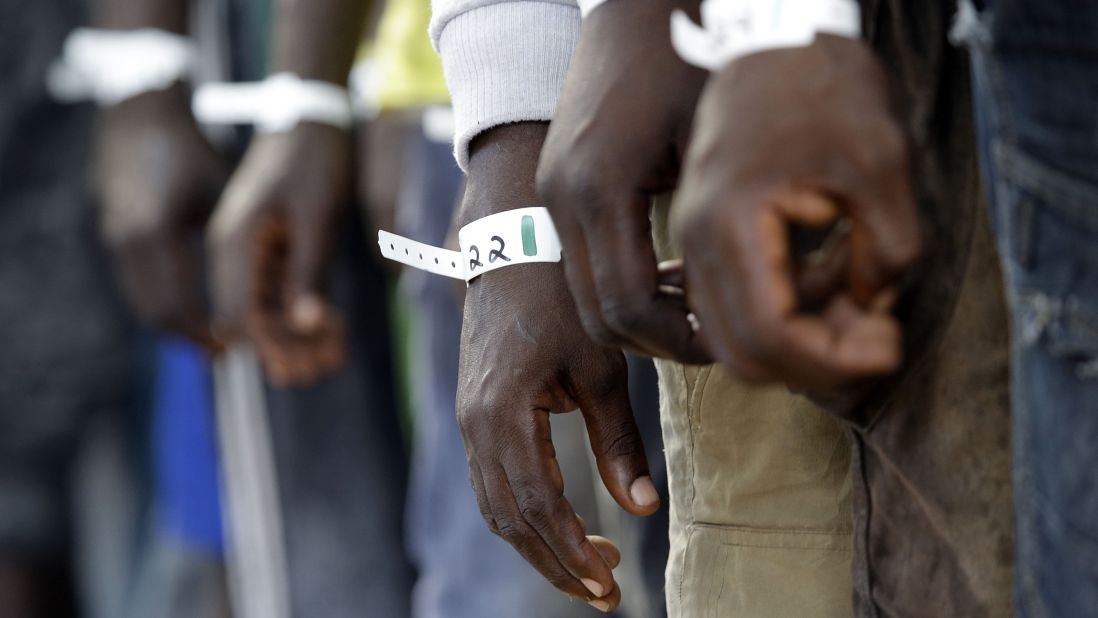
<point x="524" y="356"/>
<point x="788" y="139"/>
<point x="616" y="141"/>
<point x="158" y="180"/>
<point x="269" y="243"/>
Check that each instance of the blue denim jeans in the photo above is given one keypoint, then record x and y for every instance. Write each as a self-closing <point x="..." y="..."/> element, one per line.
<point x="1035" y="68"/>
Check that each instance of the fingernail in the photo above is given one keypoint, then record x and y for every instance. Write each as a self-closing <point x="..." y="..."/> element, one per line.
<point x="307" y="313"/>
<point x="602" y="606"/>
<point x="593" y="586"/>
<point x="643" y="493"/>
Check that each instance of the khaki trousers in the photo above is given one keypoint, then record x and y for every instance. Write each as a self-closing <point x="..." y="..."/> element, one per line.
<point x="760" y="483"/>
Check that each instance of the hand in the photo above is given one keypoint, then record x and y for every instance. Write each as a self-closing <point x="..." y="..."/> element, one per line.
<point x="269" y="243"/>
<point x="798" y="137"/>
<point x="159" y="180"/>
<point x="616" y="141"/>
<point x="524" y="357"/>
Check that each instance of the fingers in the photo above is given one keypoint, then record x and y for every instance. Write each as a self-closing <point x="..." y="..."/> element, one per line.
<point x="625" y="275"/>
<point x="611" y="266"/>
<point x="520" y="493"/>
<point x="161" y="275"/>
<point x="755" y="319"/>
<point x="250" y="261"/>
<point x="537" y="491"/>
<point x="886" y="237"/>
<point x="619" y="449"/>
<point x="609" y="552"/>
<point x="231" y="242"/>
<point x="511" y="525"/>
<point x="309" y="248"/>
<point x="302" y="333"/>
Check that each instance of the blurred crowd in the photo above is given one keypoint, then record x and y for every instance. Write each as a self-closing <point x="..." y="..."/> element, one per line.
<point x="780" y="309"/>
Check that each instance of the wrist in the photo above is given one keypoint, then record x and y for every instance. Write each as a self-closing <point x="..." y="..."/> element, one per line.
<point x="502" y="170"/>
<point x="156" y="105"/>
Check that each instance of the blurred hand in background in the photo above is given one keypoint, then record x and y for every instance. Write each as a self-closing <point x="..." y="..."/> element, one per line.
<point x="159" y="180"/>
<point x="269" y="250"/>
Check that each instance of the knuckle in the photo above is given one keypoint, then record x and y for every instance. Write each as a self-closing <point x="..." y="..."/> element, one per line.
<point x="625" y="443"/>
<point x="547" y="178"/>
<point x="761" y="347"/>
<point x="534" y="509"/>
<point x="512" y="532"/>
<point x="623" y="315"/>
<point x="565" y="182"/>
<point x="467" y="419"/>
<point x="489" y="520"/>
<point x="597" y="330"/>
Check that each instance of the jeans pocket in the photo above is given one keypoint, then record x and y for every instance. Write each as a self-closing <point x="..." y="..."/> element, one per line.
<point x="1049" y="239"/>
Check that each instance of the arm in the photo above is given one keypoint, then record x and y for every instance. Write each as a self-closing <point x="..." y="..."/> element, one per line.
<point x="523" y="317"/>
<point x="158" y="180"/>
<point x="504" y="65"/>
<point x="616" y="142"/>
<point x="272" y="232"/>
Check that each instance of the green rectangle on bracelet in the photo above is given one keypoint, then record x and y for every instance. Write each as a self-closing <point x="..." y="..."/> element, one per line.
<point x="529" y="239"/>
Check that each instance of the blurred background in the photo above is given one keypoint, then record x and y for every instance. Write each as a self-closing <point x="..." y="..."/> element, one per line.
<point x="147" y="473"/>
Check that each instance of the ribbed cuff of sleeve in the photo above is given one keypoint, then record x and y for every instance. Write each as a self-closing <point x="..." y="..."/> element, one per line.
<point x="505" y="63"/>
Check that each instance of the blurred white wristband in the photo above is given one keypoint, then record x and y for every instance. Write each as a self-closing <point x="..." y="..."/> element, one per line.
<point x="586" y="6"/>
<point x="110" y="66"/>
<point x="277" y="104"/>
<point x="731" y="29"/>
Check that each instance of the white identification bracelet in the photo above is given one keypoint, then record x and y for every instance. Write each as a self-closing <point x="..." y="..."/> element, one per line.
<point x="110" y="66"/>
<point x="732" y="29"/>
<point x="520" y="236"/>
<point x="274" y="105"/>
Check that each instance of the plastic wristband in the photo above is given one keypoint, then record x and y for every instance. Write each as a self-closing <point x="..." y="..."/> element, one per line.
<point x="732" y="29"/>
<point x="110" y="66"/>
<point x="586" y="6"/>
<point x="520" y="236"/>
<point x="277" y="104"/>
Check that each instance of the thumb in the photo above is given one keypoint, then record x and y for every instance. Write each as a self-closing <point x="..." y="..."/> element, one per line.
<point x="306" y="270"/>
<point x="885" y="237"/>
<point x="619" y="451"/>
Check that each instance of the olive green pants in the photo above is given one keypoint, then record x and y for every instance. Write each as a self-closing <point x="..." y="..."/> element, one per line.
<point x="760" y="482"/>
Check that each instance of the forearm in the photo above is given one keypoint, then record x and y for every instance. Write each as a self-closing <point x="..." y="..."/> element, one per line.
<point x="317" y="39"/>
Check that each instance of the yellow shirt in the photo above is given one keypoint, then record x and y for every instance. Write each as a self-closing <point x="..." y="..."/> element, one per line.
<point x="409" y="70"/>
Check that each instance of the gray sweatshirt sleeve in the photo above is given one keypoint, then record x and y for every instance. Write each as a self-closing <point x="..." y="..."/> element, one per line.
<point x="504" y="61"/>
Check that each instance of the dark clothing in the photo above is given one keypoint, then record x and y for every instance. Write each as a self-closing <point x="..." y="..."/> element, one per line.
<point x="341" y="461"/>
<point x="1037" y="104"/>
<point x="933" y="521"/>
<point x="63" y="343"/>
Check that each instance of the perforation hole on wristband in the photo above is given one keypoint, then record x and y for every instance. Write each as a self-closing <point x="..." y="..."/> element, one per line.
<point x="422" y="257"/>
